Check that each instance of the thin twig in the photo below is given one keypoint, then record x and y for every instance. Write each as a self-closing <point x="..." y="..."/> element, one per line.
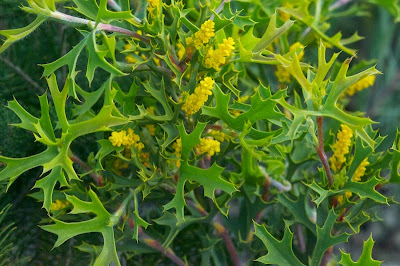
<point x="169" y="253"/>
<point x="321" y="151"/>
<point x="281" y="187"/>
<point x="228" y="241"/>
<point x="101" y="26"/>
<point x="98" y="179"/>
<point x="114" y="5"/>
<point x="23" y="74"/>
<point x="300" y="238"/>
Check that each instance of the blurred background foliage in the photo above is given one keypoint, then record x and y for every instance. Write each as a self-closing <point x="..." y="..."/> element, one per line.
<point x="20" y="77"/>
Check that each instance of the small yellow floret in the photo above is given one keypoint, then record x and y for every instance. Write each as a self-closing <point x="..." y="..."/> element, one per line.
<point x="217" y="58"/>
<point x="341" y="148"/>
<point x="195" y="101"/>
<point x="341" y="198"/>
<point x="178" y="149"/>
<point x="151" y="128"/>
<point x="181" y="50"/>
<point x="153" y="5"/>
<point x="360" y="85"/>
<point x="130" y="59"/>
<point x="58" y="205"/>
<point x="285" y="16"/>
<point x="209" y="146"/>
<point x="202" y="36"/>
<point x="220" y="136"/>
<point x="360" y="171"/>
<point x="127" y="139"/>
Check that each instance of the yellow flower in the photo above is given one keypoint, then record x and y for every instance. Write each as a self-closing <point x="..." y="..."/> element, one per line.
<point x="202" y="36"/>
<point x="181" y="50"/>
<point x="58" y="205"/>
<point x="295" y="46"/>
<point x="209" y="146"/>
<point x="340" y="198"/>
<point x="282" y="74"/>
<point x="285" y="16"/>
<point x="195" y="101"/>
<point x="341" y="148"/>
<point x="151" y="110"/>
<point x="178" y="149"/>
<point x="360" y="171"/>
<point x="153" y="5"/>
<point x="127" y="139"/>
<point x="151" y="128"/>
<point x="216" y="58"/>
<point x="220" y="136"/>
<point x="130" y="59"/>
<point x="360" y="85"/>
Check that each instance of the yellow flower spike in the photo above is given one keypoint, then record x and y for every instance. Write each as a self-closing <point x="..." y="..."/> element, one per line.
<point x="181" y="50"/>
<point x="153" y="5"/>
<point x="195" y="101"/>
<point x="131" y="59"/>
<point x="58" y="205"/>
<point x="117" y="138"/>
<point x="202" y="36"/>
<point x="360" y="85"/>
<point x="285" y="16"/>
<point x="209" y="146"/>
<point x="360" y="171"/>
<point x="341" y="148"/>
<point x="216" y="58"/>
<point x="178" y="149"/>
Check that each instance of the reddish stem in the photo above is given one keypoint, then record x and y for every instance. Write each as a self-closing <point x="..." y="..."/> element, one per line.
<point x="98" y="179"/>
<point x="321" y="151"/>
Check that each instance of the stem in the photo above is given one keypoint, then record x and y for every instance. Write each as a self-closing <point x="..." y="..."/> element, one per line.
<point x="300" y="238"/>
<point x="169" y="253"/>
<point x="22" y="74"/>
<point x="327" y="255"/>
<point x="98" y="179"/>
<point x="219" y="9"/>
<point x="270" y="181"/>
<point x="228" y="242"/>
<point x="114" y="5"/>
<point x="101" y="26"/>
<point x="338" y="4"/>
<point x="321" y="151"/>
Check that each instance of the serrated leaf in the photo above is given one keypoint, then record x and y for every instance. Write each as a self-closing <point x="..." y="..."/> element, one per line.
<point x="366" y="189"/>
<point x="100" y="224"/>
<point x="279" y="251"/>
<point x="365" y="258"/>
<point x="325" y="239"/>
<point x="209" y="178"/>
<point x="18" y="34"/>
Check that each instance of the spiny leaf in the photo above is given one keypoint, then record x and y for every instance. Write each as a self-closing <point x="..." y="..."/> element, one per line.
<point x="325" y="239"/>
<point x="209" y="178"/>
<point x="365" y="258"/>
<point x="18" y="34"/>
<point x="279" y="251"/>
<point x="100" y="224"/>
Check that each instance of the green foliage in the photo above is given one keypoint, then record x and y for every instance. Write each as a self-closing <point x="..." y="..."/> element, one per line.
<point x="365" y="258"/>
<point x="154" y="177"/>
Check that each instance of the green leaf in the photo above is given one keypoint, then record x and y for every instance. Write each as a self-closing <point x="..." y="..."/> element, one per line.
<point x="259" y="109"/>
<point x="18" y="34"/>
<point x="99" y="224"/>
<point x="366" y="189"/>
<point x="209" y="178"/>
<point x="298" y="209"/>
<point x="97" y="58"/>
<point x="365" y="258"/>
<point x="279" y="251"/>
<point x="325" y="239"/>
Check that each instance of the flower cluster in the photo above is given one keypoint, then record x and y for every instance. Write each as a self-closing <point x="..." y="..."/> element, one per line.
<point x="127" y="139"/>
<point x="216" y="58"/>
<point x="203" y="36"/>
<point x="346" y="195"/>
<point x="220" y="135"/>
<point x="341" y="148"/>
<point x="360" y="85"/>
<point x="360" y="171"/>
<point x="178" y="149"/>
<point x="58" y="205"/>
<point x="195" y="101"/>
<point x="153" y="5"/>
<point x="209" y="146"/>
